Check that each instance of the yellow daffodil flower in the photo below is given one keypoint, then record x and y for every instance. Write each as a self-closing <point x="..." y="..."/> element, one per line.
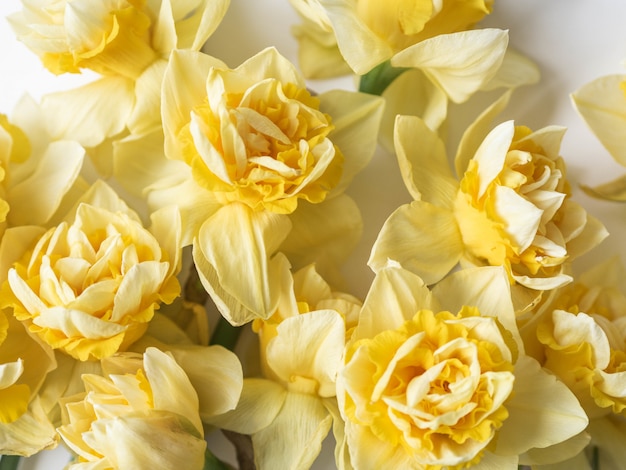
<point x="602" y="105"/>
<point x="440" y="379"/>
<point x="90" y="285"/>
<point x="510" y="207"/>
<point x="127" y="42"/>
<point x="301" y="347"/>
<point x="143" y="413"/>
<point x="252" y="154"/>
<point x="368" y="32"/>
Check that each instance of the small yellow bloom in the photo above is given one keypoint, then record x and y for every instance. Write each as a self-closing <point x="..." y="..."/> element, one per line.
<point x="90" y="285"/>
<point x="142" y="414"/>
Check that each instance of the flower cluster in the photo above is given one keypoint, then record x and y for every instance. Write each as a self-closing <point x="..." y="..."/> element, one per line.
<point x="173" y="235"/>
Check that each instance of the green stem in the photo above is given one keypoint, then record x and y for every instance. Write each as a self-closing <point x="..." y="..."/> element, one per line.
<point x="379" y="78"/>
<point x="9" y="462"/>
<point x="225" y="334"/>
<point x="211" y="462"/>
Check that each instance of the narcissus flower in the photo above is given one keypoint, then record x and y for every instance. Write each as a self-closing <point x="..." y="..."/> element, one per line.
<point x="143" y="413"/>
<point x="440" y="380"/>
<point x="127" y="42"/>
<point x="510" y="208"/>
<point x="252" y="154"/>
<point x="301" y="347"/>
<point x="90" y="285"/>
<point x="368" y="32"/>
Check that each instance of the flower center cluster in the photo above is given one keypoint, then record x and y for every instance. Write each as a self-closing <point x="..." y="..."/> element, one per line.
<point x="431" y="387"/>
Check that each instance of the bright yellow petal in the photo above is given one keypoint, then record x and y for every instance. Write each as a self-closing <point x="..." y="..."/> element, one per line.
<point x="460" y="63"/>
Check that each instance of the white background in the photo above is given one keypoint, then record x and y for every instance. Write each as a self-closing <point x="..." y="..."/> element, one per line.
<point x="572" y="41"/>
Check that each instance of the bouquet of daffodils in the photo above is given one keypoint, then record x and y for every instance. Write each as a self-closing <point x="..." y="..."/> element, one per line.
<point x="174" y="232"/>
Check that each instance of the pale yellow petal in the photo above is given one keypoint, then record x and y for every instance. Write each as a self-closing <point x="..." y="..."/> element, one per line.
<point x="460" y="63"/>
<point x="13" y="245"/>
<point x="294" y="438"/>
<point x="309" y="346"/>
<point x="360" y="47"/>
<point x="399" y="294"/>
<point x="31" y="433"/>
<point x="421" y="237"/>
<point x="194" y="26"/>
<point x="215" y="374"/>
<point x="542" y="411"/>
<point x="423" y="162"/>
<point x="369" y="452"/>
<point x="136" y="289"/>
<point x="413" y="94"/>
<point x="260" y="402"/>
<point x="614" y="190"/>
<point x="270" y="63"/>
<point x="356" y="117"/>
<point x="171" y="389"/>
<point x="91" y="113"/>
<point x="251" y="281"/>
<point x="491" y="154"/>
<point x="557" y="453"/>
<point x="35" y="199"/>
<point x="146" y="113"/>
<point x="516" y="70"/>
<point x="602" y="105"/>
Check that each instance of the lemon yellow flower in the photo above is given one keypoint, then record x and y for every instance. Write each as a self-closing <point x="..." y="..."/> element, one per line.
<point x="602" y="105"/>
<point x="252" y="154"/>
<point x="143" y="413"/>
<point x="301" y="347"/>
<point x="127" y="42"/>
<point x="90" y="285"/>
<point x="440" y="380"/>
<point x="510" y="207"/>
<point x="367" y="32"/>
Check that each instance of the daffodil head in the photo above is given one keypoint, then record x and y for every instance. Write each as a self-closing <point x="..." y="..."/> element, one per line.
<point x="435" y="387"/>
<point x="143" y="412"/>
<point x="257" y="136"/>
<point x="583" y="339"/>
<point x="111" y="37"/>
<point x="403" y="23"/>
<point x="90" y="286"/>
<point x="513" y="209"/>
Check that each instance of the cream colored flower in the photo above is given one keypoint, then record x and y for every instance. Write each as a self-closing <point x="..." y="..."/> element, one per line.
<point x="301" y="347"/>
<point x="127" y="42"/>
<point x="143" y="413"/>
<point x="440" y="379"/>
<point x="368" y="32"/>
<point x="602" y="105"/>
<point x="90" y="285"/>
<point x="252" y="154"/>
<point x="511" y="208"/>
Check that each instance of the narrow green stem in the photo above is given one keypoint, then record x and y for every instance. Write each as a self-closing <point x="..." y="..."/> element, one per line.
<point x="213" y="463"/>
<point x="9" y="462"/>
<point x="378" y="79"/>
<point x="225" y="334"/>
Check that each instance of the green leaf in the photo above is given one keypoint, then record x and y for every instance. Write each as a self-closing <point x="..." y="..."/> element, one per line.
<point x="9" y="462"/>
<point x="376" y="80"/>
<point x="210" y="462"/>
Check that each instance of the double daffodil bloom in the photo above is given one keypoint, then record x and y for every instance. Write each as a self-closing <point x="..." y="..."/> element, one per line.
<point x="510" y="208"/>
<point x="90" y="285"/>
<point x="439" y="379"/>
<point x="290" y="410"/>
<point x="257" y="164"/>
<point x="367" y="32"/>
<point x="144" y="413"/>
<point x="602" y="105"/>
<point x="127" y="42"/>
